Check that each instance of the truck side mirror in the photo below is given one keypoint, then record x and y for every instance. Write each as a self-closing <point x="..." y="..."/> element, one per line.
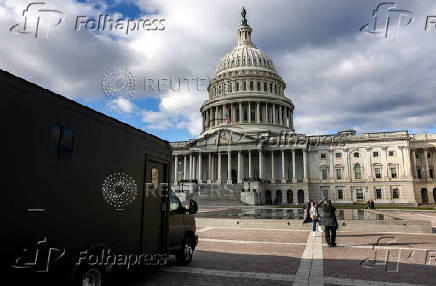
<point x="193" y="207"/>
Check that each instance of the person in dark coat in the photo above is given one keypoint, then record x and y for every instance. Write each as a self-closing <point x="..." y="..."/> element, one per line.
<point x="330" y="223"/>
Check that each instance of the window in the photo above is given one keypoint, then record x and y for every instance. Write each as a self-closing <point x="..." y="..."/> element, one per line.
<point x="270" y="87"/>
<point x="53" y="139"/>
<point x="375" y="154"/>
<point x="393" y="172"/>
<point x="258" y="86"/>
<point x="428" y="155"/>
<point x="324" y="174"/>
<point x="395" y="193"/>
<point x="359" y="194"/>
<point x="253" y="114"/>
<point x="340" y="194"/>
<point x="251" y="85"/>
<point x="357" y="172"/>
<point x="67" y="141"/>
<point x="237" y="86"/>
<point x="431" y="173"/>
<point x="323" y="156"/>
<point x="265" y="87"/>
<point x="417" y="155"/>
<point x="230" y="87"/>
<point x="377" y="172"/>
<point x="339" y="173"/>
<point x="356" y="154"/>
<point x="391" y="153"/>
<point x="378" y="194"/>
<point x="155" y="177"/>
<point x="245" y="114"/>
<point x="418" y="172"/>
<point x="338" y="155"/>
<point x="174" y="203"/>
<point x="61" y="141"/>
<point x="275" y="89"/>
<point x="325" y="193"/>
<point x="244" y="85"/>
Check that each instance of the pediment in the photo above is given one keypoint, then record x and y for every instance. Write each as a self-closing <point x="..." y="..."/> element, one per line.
<point x="223" y="137"/>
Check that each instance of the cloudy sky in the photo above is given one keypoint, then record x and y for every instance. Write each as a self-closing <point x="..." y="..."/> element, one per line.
<point x="337" y="76"/>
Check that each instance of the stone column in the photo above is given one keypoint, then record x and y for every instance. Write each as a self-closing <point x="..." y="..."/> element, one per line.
<point x="273" y="179"/>
<point x="215" y="119"/>
<point x="233" y="119"/>
<point x="305" y="179"/>
<point x="176" y="163"/>
<point x="370" y="177"/>
<point x="294" y="179"/>
<point x="219" y="179"/>
<point x="332" y="165"/>
<point x="283" y="167"/>
<point x="414" y="171"/>
<point x="427" y="170"/>
<point x="184" y="168"/>
<point x="193" y="167"/>
<point x="274" y="113"/>
<point x="229" y="167"/>
<point x="407" y="164"/>
<point x="266" y="113"/>
<point x="250" y="170"/>
<point x="260" y="164"/>
<point x="200" y="170"/>
<point x="240" y="112"/>
<point x="239" y="167"/>
<point x="209" y="168"/>
<point x="257" y="112"/>
<point x="385" y="163"/>
<point x="249" y="112"/>
<point x="280" y="115"/>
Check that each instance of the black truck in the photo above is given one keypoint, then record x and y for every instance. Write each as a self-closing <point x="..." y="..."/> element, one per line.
<point x="82" y="193"/>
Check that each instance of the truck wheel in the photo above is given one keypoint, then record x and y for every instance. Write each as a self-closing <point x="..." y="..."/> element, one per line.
<point x="91" y="277"/>
<point x="184" y="257"/>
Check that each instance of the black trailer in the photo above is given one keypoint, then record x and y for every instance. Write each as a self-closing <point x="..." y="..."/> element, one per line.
<point x="75" y="182"/>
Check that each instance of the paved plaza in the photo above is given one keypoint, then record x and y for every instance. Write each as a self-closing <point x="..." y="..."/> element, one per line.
<point x="262" y="256"/>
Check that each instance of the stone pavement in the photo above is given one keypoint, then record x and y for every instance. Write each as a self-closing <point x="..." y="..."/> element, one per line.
<point x="238" y="256"/>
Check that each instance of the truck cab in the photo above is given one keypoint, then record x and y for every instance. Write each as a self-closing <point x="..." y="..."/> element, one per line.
<point x="182" y="236"/>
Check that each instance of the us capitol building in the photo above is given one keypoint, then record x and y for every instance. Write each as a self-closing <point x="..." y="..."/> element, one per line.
<point x="248" y="146"/>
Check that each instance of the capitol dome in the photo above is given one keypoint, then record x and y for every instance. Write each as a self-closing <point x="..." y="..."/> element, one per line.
<point x="245" y="55"/>
<point x="247" y="94"/>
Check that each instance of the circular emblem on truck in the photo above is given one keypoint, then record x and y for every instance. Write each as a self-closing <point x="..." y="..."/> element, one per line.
<point x="119" y="190"/>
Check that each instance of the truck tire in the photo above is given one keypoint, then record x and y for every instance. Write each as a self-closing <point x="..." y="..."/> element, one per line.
<point x="91" y="276"/>
<point x="184" y="256"/>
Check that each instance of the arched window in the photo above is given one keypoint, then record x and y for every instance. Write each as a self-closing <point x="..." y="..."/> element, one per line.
<point x="300" y="195"/>
<point x="230" y="87"/>
<point x="268" y="199"/>
<point x="357" y="171"/>
<point x="244" y="85"/>
<point x="237" y="86"/>
<point x="258" y="86"/>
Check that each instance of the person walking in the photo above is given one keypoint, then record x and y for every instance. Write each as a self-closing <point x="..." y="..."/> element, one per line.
<point x="312" y="215"/>
<point x="330" y="223"/>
